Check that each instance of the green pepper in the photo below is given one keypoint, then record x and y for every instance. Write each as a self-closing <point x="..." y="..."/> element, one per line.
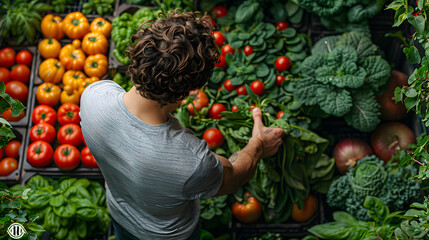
<point x="141" y="16"/>
<point x="120" y="57"/>
<point x="118" y="78"/>
<point x="129" y="86"/>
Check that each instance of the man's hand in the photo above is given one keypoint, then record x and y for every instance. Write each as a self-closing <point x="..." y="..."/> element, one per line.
<point x="271" y="138"/>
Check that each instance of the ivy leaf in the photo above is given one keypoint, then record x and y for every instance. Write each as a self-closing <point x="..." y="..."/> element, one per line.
<point x="411" y="102"/>
<point x="400" y="16"/>
<point x="412" y="55"/>
<point x="398" y="95"/>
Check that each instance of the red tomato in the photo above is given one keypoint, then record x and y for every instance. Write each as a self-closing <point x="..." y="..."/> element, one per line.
<point x="234" y="108"/>
<point x="228" y="85"/>
<point x="7" y="57"/>
<point x="252" y="106"/>
<point x="280" y="114"/>
<point x="44" y="113"/>
<point x="40" y="153"/>
<point x="4" y="75"/>
<point x="279" y="80"/>
<point x="241" y="90"/>
<point x="227" y="49"/>
<point x="68" y="113"/>
<point x="282" y="25"/>
<point x="20" y="73"/>
<point x="43" y="131"/>
<point x="8" y="116"/>
<point x="7" y="166"/>
<point x="216" y="109"/>
<point x="200" y="101"/>
<point x="248" y="50"/>
<point x="220" y="38"/>
<point x="12" y="149"/>
<point x="70" y="134"/>
<point x="221" y="63"/>
<point x="249" y="210"/>
<point x="88" y="159"/>
<point x="213" y="138"/>
<point x="1" y="153"/>
<point x="24" y="57"/>
<point x="282" y="63"/>
<point x="213" y="22"/>
<point x="257" y="87"/>
<point x="67" y="157"/>
<point x="219" y="12"/>
<point x="17" y="90"/>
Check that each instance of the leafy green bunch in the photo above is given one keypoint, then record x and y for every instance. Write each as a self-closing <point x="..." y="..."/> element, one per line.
<point x="124" y="26"/>
<point x="344" y="15"/>
<point x="300" y="166"/>
<point x="71" y="208"/>
<point x="371" y="177"/>
<point x="215" y="212"/>
<point x="415" y="223"/>
<point x="21" y="19"/>
<point x="12" y="211"/>
<point x="381" y="223"/>
<point x="102" y="7"/>
<point x="60" y="6"/>
<point x="343" y="76"/>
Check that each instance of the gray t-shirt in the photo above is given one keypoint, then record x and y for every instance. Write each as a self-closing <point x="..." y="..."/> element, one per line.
<point x="155" y="173"/>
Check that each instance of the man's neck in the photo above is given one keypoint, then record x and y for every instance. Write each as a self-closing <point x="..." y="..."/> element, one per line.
<point x="147" y="110"/>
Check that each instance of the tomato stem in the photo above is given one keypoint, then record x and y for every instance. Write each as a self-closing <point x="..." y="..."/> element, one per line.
<point x="415" y="160"/>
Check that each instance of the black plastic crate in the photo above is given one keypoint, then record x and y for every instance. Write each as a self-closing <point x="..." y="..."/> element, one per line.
<point x="290" y="229"/>
<point x="15" y="176"/>
<point x="23" y="122"/>
<point x="52" y="168"/>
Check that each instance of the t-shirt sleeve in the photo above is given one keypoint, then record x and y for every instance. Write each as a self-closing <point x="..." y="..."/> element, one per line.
<point x="207" y="178"/>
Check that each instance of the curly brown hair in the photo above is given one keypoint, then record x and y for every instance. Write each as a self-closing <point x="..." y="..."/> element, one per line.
<point x="172" y="56"/>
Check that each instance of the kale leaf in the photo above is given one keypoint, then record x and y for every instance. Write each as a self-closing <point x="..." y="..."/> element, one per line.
<point x="342" y="76"/>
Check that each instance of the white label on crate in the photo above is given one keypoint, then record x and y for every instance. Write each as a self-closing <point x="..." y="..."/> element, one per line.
<point x="16" y="231"/>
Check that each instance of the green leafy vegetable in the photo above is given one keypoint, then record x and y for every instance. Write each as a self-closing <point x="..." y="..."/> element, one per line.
<point x="342" y="77"/>
<point x="371" y="177"/>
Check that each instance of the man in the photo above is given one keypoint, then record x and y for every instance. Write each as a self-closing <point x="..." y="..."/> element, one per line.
<point x="155" y="169"/>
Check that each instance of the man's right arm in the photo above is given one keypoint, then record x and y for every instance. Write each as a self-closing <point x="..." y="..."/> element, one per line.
<point x="241" y="165"/>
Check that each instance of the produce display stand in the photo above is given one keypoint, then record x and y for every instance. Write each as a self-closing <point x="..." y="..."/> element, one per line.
<point x="331" y="127"/>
